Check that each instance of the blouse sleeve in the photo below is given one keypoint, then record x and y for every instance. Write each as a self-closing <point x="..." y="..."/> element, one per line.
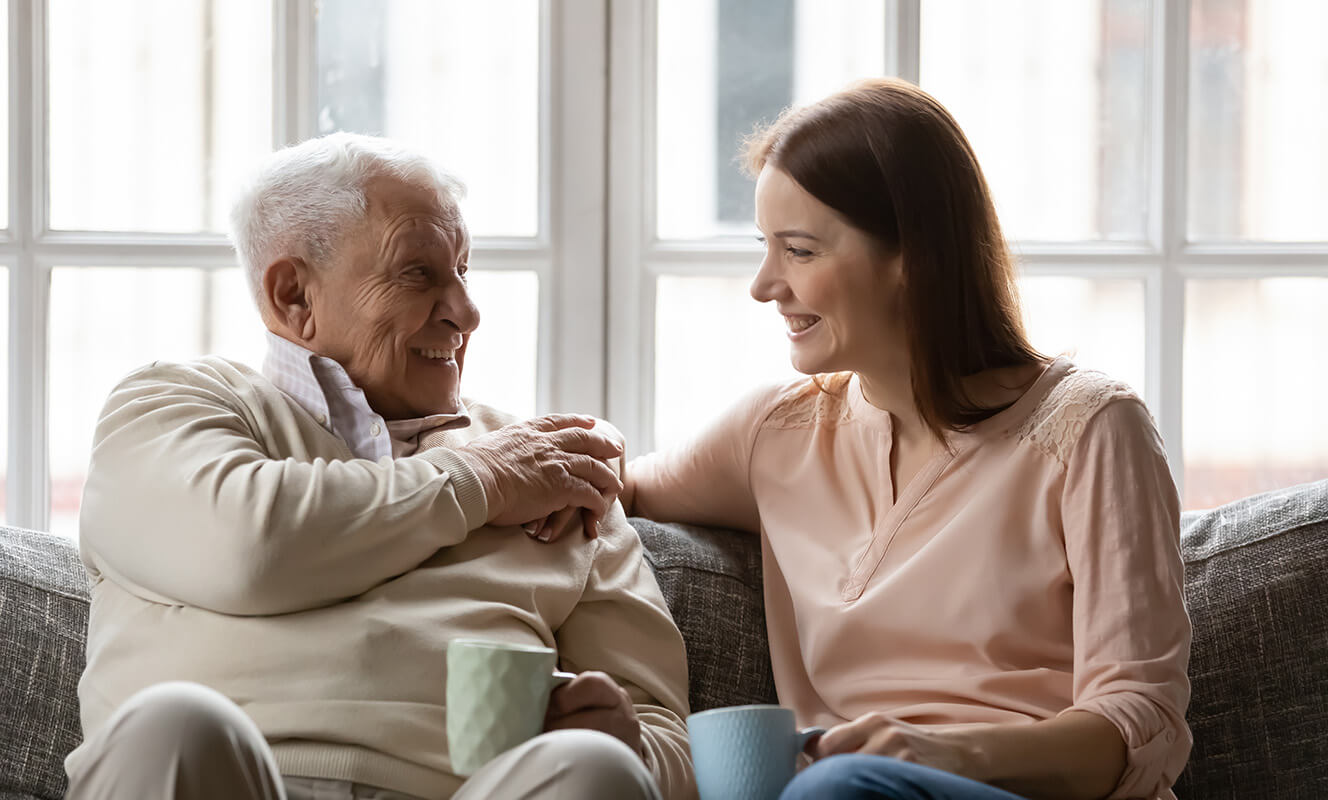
<point x="1131" y="633"/>
<point x="706" y="481"/>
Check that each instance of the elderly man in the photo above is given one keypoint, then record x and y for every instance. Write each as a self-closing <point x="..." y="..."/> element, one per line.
<point x="280" y="559"/>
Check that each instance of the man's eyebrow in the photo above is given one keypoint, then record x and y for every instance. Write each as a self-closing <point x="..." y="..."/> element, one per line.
<point x="795" y="234"/>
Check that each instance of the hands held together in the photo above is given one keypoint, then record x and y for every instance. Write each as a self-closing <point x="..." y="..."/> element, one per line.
<point x="542" y="472"/>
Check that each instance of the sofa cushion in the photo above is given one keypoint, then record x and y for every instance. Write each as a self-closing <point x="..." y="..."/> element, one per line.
<point x="1256" y="586"/>
<point x="44" y="614"/>
<point x="711" y="580"/>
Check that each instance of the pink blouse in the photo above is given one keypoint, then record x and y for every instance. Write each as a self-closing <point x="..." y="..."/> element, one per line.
<point x="1032" y="570"/>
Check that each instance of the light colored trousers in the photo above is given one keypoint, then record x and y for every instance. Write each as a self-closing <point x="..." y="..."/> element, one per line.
<point x="184" y="741"/>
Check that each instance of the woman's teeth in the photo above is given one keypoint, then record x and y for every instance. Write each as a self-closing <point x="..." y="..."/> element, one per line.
<point x="436" y="354"/>
<point x="800" y="324"/>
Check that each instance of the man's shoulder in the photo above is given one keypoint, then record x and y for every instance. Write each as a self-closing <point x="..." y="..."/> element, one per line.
<point x="198" y="372"/>
<point x="485" y="418"/>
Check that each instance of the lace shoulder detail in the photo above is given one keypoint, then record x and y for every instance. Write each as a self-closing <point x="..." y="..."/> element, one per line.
<point x="1055" y="425"/>
<point x="807" y="405"/>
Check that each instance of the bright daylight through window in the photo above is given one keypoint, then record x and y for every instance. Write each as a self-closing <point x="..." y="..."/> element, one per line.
<point x="1184" y="253"/>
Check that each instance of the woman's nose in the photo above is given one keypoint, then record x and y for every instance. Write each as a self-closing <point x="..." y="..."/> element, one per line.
<point x="766" y="285"/>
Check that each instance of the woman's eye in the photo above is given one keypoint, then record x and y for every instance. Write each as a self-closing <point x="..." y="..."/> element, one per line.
<point x="797" y="252"/>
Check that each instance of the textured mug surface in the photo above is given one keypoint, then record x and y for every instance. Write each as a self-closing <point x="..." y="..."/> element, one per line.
<point x="745" y="752"/>
<point x="497" y="694"/>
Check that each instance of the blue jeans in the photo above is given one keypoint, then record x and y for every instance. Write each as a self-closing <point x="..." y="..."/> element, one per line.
<point x="854" y="776"/>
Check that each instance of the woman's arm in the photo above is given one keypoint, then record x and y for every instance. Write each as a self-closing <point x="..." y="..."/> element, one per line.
<point x="707" y="480"/>
<point x="1076" y="756"/>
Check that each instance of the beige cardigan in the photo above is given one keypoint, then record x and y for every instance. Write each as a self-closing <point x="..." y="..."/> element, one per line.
<point x="233" y="541"/>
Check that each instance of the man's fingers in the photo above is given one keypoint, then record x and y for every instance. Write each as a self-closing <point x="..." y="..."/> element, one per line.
<point x="597" y="474"/>
<point x="589" y="690"/>
<point x="587" y="442"/>
<point x="555" y="422"/>
<point x="598" y="719"/>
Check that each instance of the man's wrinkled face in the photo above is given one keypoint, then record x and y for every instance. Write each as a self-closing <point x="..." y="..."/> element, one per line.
<point x="392" y="306"/>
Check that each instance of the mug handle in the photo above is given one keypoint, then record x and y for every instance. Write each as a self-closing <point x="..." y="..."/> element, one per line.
<point x="808" y="735"/>
<point x="559" y="678"/>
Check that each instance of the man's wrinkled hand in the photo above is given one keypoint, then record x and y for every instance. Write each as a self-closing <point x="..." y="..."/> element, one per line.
<point x="531" y="469"/>
<point x="593" y="700"/>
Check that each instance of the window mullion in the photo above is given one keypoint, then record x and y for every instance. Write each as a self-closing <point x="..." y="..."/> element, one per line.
<point x="630" y="219"/>
<point x="1166" y="315"/>
<point x="28" y="480"/>
<point x="903" y="56"/>
<point x="294" y="59"/>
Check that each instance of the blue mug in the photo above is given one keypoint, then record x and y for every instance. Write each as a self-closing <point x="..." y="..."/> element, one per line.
<point x="746" y="752"/>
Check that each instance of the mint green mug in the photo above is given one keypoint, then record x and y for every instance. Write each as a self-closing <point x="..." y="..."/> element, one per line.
<point x="497" y="694"/>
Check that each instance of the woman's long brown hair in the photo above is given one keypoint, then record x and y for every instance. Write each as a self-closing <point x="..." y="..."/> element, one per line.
<point x="894" y="163"/>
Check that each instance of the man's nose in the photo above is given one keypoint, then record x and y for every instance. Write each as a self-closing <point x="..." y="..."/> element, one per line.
<point x="456" y="307"/>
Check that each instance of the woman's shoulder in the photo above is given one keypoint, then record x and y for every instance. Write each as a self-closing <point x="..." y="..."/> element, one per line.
<point x="809" y="401"/>
<point x="1058" y="420"/>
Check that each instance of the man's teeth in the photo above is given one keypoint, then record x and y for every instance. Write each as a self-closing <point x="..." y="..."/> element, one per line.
<point x="446" y="354"/>
<point x="799" y="324"/>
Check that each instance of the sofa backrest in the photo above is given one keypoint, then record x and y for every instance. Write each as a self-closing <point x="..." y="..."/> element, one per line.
<point x="43" y="626"/>
<point x="1256" y="585"/>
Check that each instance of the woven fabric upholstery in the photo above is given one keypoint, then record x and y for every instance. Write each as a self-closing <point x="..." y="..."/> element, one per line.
<point x="44" y="614"/>
<point x="1257" y="589"/>
<point x="711" y="580"/>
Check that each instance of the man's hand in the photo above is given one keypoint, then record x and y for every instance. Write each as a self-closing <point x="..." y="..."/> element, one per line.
<point x="594" y="701"/>
<point x="879" y="734"/>
<point x="531" y="469"/>
<point x="552" y="528"/>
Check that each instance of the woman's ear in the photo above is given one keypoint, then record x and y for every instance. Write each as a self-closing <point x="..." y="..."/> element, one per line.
<point x="286" y="290"/>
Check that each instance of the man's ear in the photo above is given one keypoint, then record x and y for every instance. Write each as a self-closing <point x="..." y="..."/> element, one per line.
<point x="286" y="289"/>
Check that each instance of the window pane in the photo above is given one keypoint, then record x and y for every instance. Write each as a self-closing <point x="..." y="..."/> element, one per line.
<point x="713" y="343"/>
<point x="158" y="107"/>
<point x="107" y="322"/>
<point x="458" y="80"/>
<point x="501" y="356"/>
<point x="1258" y="164"/>
<point x="1256" y="373"/>
<point x="1054" y="97"/>
<point x="1098" y="323"/>
<point x="726" y="65"/>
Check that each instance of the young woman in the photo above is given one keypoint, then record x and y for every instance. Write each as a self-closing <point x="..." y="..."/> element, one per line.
<point x="972" y="567"/>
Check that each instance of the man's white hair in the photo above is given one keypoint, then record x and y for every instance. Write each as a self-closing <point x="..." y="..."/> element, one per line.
<point x="303" y="198"/>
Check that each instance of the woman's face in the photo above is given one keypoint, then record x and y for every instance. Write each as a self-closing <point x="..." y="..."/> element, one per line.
<point x="840" y="293"/>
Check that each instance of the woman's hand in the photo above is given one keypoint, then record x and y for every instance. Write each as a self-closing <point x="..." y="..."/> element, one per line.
<point x="882" y="735"/>
<point x="593" y="700"/>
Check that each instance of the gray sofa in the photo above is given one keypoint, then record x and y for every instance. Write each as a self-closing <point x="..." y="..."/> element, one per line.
<point x="1256" y="584"/>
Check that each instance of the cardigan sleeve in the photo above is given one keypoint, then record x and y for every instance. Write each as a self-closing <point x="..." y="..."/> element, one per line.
<point x="183" y="505"/>
<point x="622" y="627"/>
<point x="1121" y="517"/>
<point x="707" y="480"/>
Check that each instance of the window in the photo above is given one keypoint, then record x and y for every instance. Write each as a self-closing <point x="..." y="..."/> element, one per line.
<point x="150" y="115"/>
<point x="1158" y="166"/>
<point x="1168" y="214"/>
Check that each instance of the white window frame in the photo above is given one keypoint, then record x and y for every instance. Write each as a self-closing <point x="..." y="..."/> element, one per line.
<point x="1164" y="261"/>
<point x="567" y="253"/>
